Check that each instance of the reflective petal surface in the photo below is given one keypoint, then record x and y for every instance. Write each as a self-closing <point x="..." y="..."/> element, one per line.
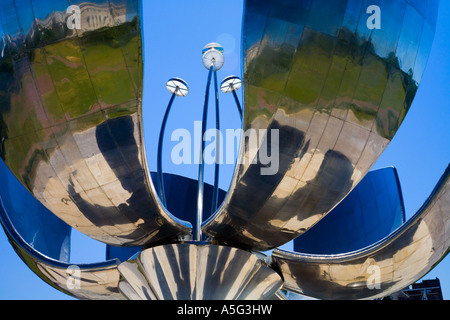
<point x="379" y="270"/>
<point x="372" y="211"/>
<point x="334" y="90"/>
<point x="71" y="118"/>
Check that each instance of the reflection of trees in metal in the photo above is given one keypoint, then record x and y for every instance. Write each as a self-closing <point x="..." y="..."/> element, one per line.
<point x="351" y="53"/>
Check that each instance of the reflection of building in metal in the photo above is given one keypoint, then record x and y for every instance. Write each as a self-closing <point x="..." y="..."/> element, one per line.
<point x="335" y="91"/>
<point x="94" y="16"/>
<point x="424" y="290"/>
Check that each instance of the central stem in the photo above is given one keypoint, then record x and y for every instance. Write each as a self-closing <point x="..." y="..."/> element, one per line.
<point x="201" y="167"/>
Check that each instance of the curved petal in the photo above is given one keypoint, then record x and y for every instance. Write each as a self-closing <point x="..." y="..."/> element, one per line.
<point x="70" y="117"/>
<point x="326" y="93"/>
<point x="379" y="270"/>
<point x="41" y="240"/>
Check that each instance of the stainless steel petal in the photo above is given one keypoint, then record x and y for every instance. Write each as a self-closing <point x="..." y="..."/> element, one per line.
<point x="335" y="91"/>
<point x="42" y="241"/>
<point x="71" y="116"/>
<point x="381" y="269"/>
<point x="94" y="281"/>
<point x="86" y="283"/>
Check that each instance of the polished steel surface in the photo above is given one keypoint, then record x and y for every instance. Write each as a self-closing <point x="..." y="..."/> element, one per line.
<point x="379" y="270"/>
<point x="201" y="167"/>
<point x="71" y="118"/>
<point x="195" y="271"/>
<point x="371" y="212"/>
<point x="336" y="90"/>
<point x="95" y="281"/>
<point x="22" y="215"/>
<point x="43" y="242"/>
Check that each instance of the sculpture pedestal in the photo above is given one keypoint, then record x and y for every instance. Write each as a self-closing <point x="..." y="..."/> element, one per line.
<point x="194" y="271"/>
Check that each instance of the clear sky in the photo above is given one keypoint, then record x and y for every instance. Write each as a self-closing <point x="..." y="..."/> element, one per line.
<point x="175" y="33"/>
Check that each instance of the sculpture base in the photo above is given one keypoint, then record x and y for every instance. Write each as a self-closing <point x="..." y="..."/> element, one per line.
<point x="188" y="271"/>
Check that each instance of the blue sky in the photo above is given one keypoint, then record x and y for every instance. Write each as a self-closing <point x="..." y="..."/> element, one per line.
<point x="175" y="33"/>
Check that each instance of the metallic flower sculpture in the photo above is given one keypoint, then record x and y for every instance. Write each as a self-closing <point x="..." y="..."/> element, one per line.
<point x="333" y="78"/>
